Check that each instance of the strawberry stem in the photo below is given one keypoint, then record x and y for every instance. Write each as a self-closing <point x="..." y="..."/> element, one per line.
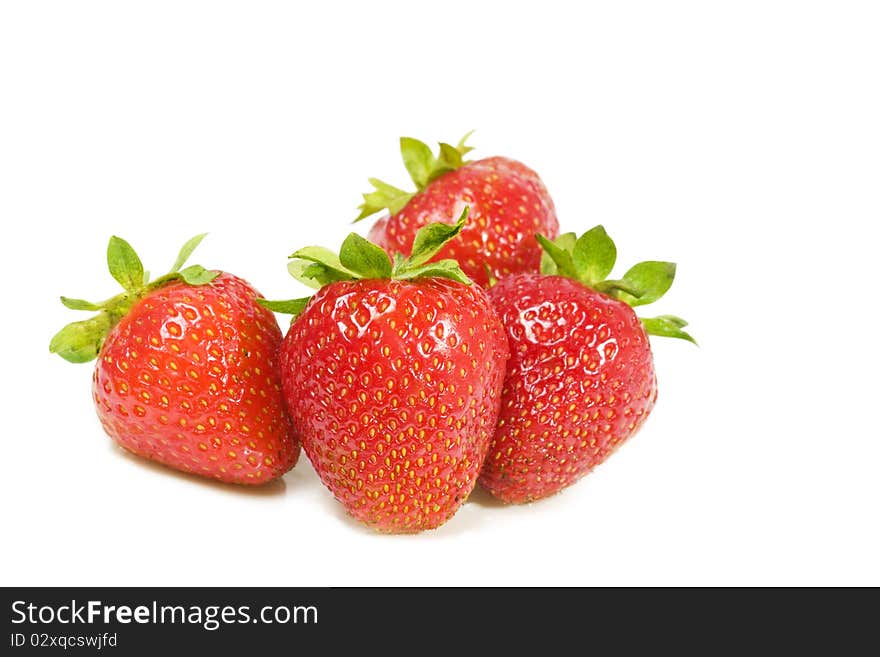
<point x="360" y="259"/>
<point x="80" y="342"/>
<point x="423" y="167"/>
<point x="589" y="260"/>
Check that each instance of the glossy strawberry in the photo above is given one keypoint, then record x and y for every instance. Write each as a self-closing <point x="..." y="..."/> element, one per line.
<point x="392" y="375"/>
<point x="187" y="370"/>
<point x="580" y="380"/>
<point x="507" y="200"/>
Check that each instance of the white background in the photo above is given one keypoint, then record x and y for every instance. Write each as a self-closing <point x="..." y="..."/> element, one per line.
<point x="739" y="139"/>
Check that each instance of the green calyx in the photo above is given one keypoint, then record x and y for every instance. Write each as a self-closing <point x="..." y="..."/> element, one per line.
<point x="80" y="342"/>
<point x="590" y="258"/>
<point x="360" y="259"/>
<point x="423" y="166"/>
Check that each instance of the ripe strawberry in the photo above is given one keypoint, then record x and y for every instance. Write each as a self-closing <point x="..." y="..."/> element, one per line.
<point x="580" y="379"/>
<point x="507" y="200"/>
<point x="392" y="375"/>
<point x="187" y="370"/>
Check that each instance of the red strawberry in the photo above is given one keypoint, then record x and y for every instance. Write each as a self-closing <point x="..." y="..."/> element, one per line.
<point x="507" y="200"/>
<point x="392" y="374"/>
<point x="580" y="380"/>
<point x="187" y="370"/>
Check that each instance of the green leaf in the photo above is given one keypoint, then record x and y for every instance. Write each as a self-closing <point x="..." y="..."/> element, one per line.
<point x="594" y="255"/>
<point x="462" y="147"/>
<point x="80" y="342"/>
<point x="290" y="307"/>
<point x="449" y="160"/>
<point x="364" y="258"/>
<point x="441" y="269"/>
<point x="79" y="304"/>
<point x="559" y="256"/>
<point x="672" y="319"/>
<point x="566" y="242"/>
<point x="198" y="275"/>
<point x="186" y="251"/>
<point x="418" y="160"/>
<point x="124" y="264"/>
<point x="652" y="278"/>
<point x="667" y="326"/>
<point x="316" y="275"/>
<point x="619" y="289"/>
<point x="324" y="257"/>
<point x="385" y="197"/>
<point x="300" y="270"/>
<point x="433" y="237"/>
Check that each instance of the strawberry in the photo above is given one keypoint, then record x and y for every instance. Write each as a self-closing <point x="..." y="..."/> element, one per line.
<point x="187" y="370"/>
<point x="507" y="200"/>
<point x="580" y="380"/>
<point x="392" y="374"/>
